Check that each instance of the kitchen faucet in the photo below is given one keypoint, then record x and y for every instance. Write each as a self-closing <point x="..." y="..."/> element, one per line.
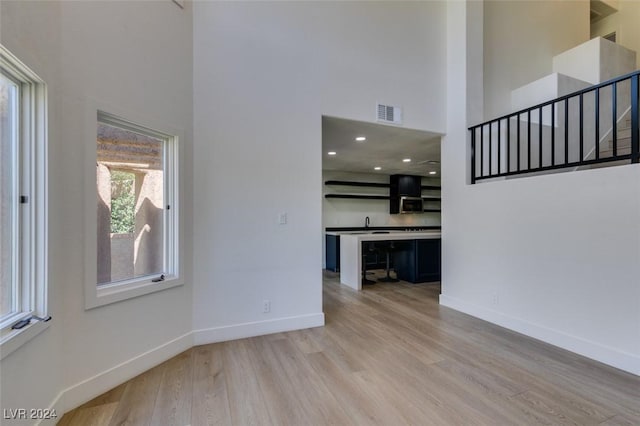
<point x="366" y="222"/>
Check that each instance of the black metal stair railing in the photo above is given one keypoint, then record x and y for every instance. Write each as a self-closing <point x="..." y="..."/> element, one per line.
<point x="584" y="128"/>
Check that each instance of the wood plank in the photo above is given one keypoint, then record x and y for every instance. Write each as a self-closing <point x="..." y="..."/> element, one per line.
<point x="173" y="403"/>
<point x="246" y="402"/>
<point x="96" y="415"/>
<point x="138" y="400"/>
<point x="316" y="399"/>
<point x="621" y="420"/>
<point x="283" y="406"/>
<point x="354" y="395"/>
<point x="210" y="403"/>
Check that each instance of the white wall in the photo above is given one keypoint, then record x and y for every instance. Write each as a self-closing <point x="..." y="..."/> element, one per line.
<point x="136" y="56"/>
<point x="625" y="24"/>
<point x="554" y="257"/>
<point x="265" y="73"/>
<point x="595" y="61"/>
<point x="520" y="39"/>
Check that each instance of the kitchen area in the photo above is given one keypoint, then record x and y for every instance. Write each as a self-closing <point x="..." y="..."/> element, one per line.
<point x="381" y="203"/>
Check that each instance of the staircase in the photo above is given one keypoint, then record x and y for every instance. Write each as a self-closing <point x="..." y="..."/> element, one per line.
<point x="623" y="144"/>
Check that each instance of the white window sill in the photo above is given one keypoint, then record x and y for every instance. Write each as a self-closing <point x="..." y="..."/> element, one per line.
<point x="13" y="339"/>
<point x="117" y="293"/>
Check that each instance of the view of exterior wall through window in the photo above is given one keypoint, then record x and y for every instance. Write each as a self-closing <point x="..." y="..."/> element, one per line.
<point x="131" y="204"/>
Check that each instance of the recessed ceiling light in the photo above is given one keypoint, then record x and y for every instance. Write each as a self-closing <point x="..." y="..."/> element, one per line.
<point x="377" y="168"/>
<point x="361" y="139"/>
<point x="407" y="160"/>
<point x="331" y="153"/>
<point x="432" y="173"/>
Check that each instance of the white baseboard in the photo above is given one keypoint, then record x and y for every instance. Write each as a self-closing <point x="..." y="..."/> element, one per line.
<point x="88" y="389"/>
<point x="258" y="328"/>
<point x="604" y="354"/>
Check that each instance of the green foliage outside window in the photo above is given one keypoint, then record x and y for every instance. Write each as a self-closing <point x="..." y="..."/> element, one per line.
<point x="123" y="202"/>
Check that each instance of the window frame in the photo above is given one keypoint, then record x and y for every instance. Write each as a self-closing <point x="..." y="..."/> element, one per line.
<point x="106" y="294"/>
<point x="32" y="216"/>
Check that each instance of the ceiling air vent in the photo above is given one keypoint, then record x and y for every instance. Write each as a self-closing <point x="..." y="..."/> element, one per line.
<point x="389" y="114"/>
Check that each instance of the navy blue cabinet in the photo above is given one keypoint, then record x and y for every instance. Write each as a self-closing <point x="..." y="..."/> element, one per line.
<point x="418" y="261"/>
<point x="403" y="185"/>
<point x="332" y="252"/>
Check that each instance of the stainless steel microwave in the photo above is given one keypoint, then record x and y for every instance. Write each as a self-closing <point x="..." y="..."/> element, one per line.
<point x="411" y="205"/>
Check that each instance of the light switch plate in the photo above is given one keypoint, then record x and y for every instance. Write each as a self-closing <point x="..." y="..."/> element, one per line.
<point x="282" y="219"/>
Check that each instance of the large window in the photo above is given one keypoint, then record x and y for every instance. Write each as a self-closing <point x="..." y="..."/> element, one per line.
<point x="136" y="216"/>
<point x="9" y="229"/>
<point x="22" y="197"/>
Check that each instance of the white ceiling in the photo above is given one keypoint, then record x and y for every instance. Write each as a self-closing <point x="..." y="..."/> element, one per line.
<point x="386" y="146"/>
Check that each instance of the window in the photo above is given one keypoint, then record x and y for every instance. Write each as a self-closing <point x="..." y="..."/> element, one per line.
<point x="9" y="116"/>
<point x="136" y="212"/>
<point x="22" y="198"/>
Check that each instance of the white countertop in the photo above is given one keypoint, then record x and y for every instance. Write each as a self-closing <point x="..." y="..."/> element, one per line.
<point x="392" y="235"/>
<point x="387" y="233"/>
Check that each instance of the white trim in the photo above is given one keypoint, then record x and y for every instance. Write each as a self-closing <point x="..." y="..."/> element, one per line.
<point x="84" y="391"/>
<point x="607" y="355"/>
<point x="258" y="328"/>
<point x="88" y="389"/>
<point x="174" y="153"/>
<point x="16" y="338"/>
<point x="117" y="293"/>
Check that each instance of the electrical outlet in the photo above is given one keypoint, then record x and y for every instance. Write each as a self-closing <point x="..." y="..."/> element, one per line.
<point x="266" y="306"/>
<point x="494" y="298"/>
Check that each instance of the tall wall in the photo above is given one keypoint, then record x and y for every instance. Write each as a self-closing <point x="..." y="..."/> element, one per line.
<point x="265" y="73"/>
<point x="625" y="24"/>
<point x="553" y="256"/>
<point x="134" y="56"/>
<point x="520" y="39"/>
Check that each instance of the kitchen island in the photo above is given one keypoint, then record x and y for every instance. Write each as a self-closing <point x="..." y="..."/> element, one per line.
<point x="351" y="250"/>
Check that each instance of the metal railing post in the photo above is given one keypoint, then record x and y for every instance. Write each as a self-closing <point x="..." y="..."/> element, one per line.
<point x="481" y="150"/>
<point x="597" y="118"/>
<point x="635" y="119"/>
<point x="614" y="118"/>
<point x="473" y="156"/>
<point x="490" y="150"/>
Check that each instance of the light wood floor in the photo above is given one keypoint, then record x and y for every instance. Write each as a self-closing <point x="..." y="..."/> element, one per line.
<point x="388" y="355"/>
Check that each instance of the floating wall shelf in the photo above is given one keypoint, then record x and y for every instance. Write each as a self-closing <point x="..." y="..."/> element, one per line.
<point x="362" y="197"/>
<point x="378" y="197"/>
<point x="348" y="183"/>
